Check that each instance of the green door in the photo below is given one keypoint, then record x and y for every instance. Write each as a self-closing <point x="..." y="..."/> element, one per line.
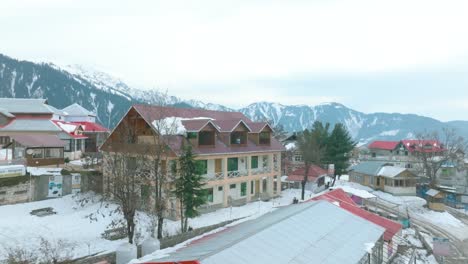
<point x="233" y="164"/>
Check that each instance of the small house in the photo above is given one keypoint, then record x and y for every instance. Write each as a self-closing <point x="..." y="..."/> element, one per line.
<point x="315" y="178"/>
<point x="385" y="177"/>
<point x="435" y="200"/>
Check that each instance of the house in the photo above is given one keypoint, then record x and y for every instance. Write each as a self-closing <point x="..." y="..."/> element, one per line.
<point x="392" y="234"/>
<point x="36" y="149"/>
<point x="37" y="117"/>
<point x="314" y="232"/>
<point x="435" y="200"/>
<point x="385" y="177"/>
<point x="315" y="178"/>
<point x="241" y="159"/>
<point x="403" y="153"/>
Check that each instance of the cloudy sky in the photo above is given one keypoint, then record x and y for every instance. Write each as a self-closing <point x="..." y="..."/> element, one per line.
<point x="374" y="56"/>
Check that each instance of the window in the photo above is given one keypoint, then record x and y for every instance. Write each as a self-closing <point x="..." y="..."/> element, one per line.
<point x="298" y="158"/>
<point x="68" y="146"/>
<point x="232" y="186"/>
<point x="238" y="138"/>
<point x="191" y="135"/>
<point x="209" y="195"/>
<point x="206" y="138"/>
<point x="4" y="140"/>
<point x="254" y="162"/>
<point x="37" y="153"/>
<point x="374" y="154"/>
<point x="252" y="187"/>
<point x="399" y="183"/>
<point x="233" y="164"/>
<point x="53" y="153"/>
<point x="202" y="167"/>
<point x="243" y="189"/>
<point x="264" y="138"/>
<point x="220" y="188"/>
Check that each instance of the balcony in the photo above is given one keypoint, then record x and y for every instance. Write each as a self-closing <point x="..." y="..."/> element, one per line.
<point x="263" y="170"/>
<point x="214" y="176"/>
<point x="237" y="173"/>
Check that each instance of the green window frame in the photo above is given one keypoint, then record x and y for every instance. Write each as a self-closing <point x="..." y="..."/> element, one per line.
<point x="243" y="189"/>
<point x="233" y="164"/>
<point x="254" y="162"/>
<point x="202" y="166"/>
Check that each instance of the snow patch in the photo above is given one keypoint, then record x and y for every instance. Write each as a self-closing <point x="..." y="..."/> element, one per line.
<point x="390" y="132"/>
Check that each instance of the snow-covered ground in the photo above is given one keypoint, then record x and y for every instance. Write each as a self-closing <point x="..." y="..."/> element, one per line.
<point x="416" y="208"/>
<point x="5" y="154"/>
<point x="20" y="229"/>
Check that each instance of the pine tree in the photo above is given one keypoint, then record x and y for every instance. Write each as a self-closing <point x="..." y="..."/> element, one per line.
<point x="189" y="187"/>
<point x="339" y="145"/>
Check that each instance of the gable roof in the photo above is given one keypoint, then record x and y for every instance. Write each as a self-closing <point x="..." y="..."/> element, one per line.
<point x="230" y="125"/>
<point x="314" y="172"/>
<point x="345" y="202"/>
<point x="91" y="127"/>
<point x="70" y="128"/>
<point x="195" y="125"/>
<point x="391" y="171"/>
<point x="77" y="110"/>
<point x="39" y="140"/>
<point x="25" y="106"/>
<point x="369" y="167"/>
<point x="257" y="127"/>
<point x="41" y="125"/>
<point x="151" y="113"/>
<point x="316" y="232"/>
<point x="384" y="145"/>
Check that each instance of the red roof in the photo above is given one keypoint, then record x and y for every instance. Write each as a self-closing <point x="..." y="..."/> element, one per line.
<point x="314" y="172"/>
<point x="415" y="145"/>
<point x="385" y="145"/>
<point x="91" y="127"/>
<point x="338" y="195"/>
<point x="71" y="131"/>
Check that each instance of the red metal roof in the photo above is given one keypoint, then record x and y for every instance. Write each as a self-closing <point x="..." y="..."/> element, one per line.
<point x="60" y="124"/>
<point x="385" y="145"/>
<point x="257" y="127"/>
<point x="314" y="172"/>
<point x="338" y="195"/>
<point x="195" y="125"/>
<point x="91" y="127"/>
<point x="38" y="140"/>
<point x="427" y="146"/>
<point x="229" y="125"/>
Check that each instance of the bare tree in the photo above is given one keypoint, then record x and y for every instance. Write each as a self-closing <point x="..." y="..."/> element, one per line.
<point x="126" y="174"/>
<point x="433" y="151"/>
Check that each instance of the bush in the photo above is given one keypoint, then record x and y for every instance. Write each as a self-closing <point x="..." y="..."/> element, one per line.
<point x="12" y="181"/>
<point x="66" y="160"/>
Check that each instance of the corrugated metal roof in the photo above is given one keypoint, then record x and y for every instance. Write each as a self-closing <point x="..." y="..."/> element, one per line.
<point x="77" y="110"/>
<point x="38" y="140"/>
<point x="385" y="145"/>
<point x="432" y="192"/>
<point x="314" y="172"/>
<point x="369" y="168"/>
<point x="316" y="232"/>
<point x="391" y="171"/>
<point x="42" y="125"/>
<point x="6" y="113"/>
<point x="27" y="106"/>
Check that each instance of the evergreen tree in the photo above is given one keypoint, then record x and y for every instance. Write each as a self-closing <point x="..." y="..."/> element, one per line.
<point x="189" y="187"/>
<point x="339" y="146"/>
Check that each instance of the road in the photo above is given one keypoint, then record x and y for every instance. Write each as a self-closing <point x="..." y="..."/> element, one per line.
<point x="459" y="247"/>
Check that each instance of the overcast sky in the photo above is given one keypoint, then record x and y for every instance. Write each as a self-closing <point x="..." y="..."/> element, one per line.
<point x="374" y="56"/>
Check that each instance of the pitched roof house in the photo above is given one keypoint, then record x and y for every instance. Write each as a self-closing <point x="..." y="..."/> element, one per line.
<point x="241" y="158"/>
<point x="315" y="232"/>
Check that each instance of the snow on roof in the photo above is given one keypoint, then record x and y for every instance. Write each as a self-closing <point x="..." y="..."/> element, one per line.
<point x="69" y="128"/>
<point x="290" y="146"/>
<point x="432" y="192"/>
<point x="170" y="126"/>
<point x="35" y="171"/>
<point x="23" y="105"/>
<point x="317" y="232"/>
<point x="357" y="192"/>
<point x="391" y="171"/>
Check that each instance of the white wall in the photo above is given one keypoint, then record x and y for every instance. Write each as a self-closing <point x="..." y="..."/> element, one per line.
<point x="211" y="167"/>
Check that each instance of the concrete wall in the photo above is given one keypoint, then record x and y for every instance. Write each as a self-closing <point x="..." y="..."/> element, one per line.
<point x="19" y="193"/>
<point x="41" y="186"/>
<point x="400" y="190"/>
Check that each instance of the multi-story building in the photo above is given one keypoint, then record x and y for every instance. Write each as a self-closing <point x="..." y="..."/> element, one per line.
<point x="241" y="159"/>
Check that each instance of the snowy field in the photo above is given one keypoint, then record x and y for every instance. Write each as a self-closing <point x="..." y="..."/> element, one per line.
<point x="416" y="209"/>
<point x="20" y="229"/>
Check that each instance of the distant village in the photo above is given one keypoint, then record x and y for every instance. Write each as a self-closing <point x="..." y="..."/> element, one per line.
<point x="217" y="187"/>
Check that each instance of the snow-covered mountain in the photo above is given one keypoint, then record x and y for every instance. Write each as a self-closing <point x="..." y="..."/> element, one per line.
<point x="110" y="97"/>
